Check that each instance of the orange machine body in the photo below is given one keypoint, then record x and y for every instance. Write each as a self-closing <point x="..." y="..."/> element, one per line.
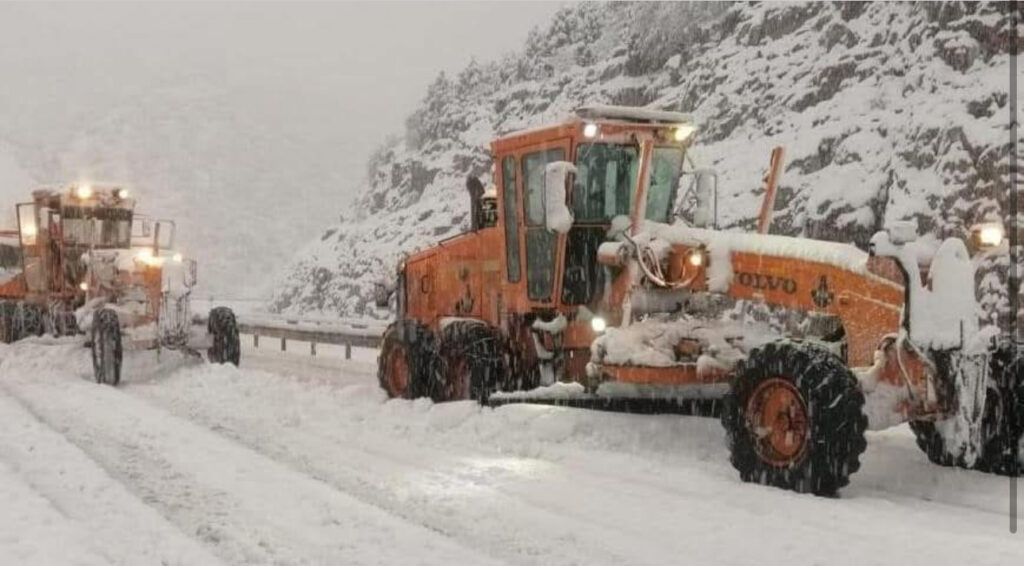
<point x="492" y="274"/>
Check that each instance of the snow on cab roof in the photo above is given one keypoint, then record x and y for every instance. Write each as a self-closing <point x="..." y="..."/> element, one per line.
<point x="600" y="112"/>
<point x="632" y="114"/>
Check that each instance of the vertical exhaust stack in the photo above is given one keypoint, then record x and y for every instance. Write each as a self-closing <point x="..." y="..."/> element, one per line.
<point x="764" y="220"/>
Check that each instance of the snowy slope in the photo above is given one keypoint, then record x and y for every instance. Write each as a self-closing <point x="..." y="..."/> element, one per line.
<point x="289" y="462"/>
<point x="888" y="111"/>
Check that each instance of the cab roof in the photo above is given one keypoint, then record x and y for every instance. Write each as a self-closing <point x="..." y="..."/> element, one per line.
<point x="626" y="117"/>
<point x="632" y="114"/>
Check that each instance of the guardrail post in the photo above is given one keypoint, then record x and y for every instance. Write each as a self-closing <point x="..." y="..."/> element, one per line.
<point x="312" y="348"/>
<point x="348" y="350"/>
<point x="284" y="345"/>
<point x="255" y="340"/>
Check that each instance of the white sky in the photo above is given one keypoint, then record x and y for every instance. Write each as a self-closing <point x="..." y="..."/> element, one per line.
<point x="339" y="73"/>
<point x="246" y="122"/>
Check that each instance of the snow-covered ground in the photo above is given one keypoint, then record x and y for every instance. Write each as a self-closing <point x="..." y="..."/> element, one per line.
<point x="299" y="460"/>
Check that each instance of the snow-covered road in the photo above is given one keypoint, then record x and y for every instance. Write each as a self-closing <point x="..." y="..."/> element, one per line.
<point x="291" y="460"/>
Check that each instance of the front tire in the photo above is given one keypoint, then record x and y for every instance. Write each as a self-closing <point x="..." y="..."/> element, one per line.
<point x="223" y="327"/>
<point x="794" y="419"/>
<point x="406" y="360"/>
<point x="1002" y="421"/>
<point x="106" y="347"/>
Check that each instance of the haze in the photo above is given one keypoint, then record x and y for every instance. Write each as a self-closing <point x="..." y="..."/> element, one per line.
<point x="204" y="105"/>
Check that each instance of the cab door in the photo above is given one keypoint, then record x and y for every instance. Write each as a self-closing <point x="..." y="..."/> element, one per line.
<point x="34" y="239"/>
<point x="541" y="248"/>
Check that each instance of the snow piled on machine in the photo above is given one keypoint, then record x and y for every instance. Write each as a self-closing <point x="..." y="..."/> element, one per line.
<point x="654" y="342"/>
<point x="558" y="218"/>
<point x="842" y="255"/>
<point x="888" y="111"/>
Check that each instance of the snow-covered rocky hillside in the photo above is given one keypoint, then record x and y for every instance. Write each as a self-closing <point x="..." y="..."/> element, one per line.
<point x="888" y="111"/>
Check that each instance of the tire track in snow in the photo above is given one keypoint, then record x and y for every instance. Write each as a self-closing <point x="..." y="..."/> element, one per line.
<point x="120" y="527"/>
<point x="245" y="507"/>
<point x="564" y="511"/>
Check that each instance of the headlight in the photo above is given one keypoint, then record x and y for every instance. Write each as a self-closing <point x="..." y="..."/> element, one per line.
<point x="83" y="191"/>
<point x="683" y="132"/>
<point x="590" y="130"/>
<point x="695" y="258"/>
<point x="83" y="286"/>
<point x="121" y="193"/>
<point x="177" y="258"/>
<point x="146" y="256"/>
<point x="598" y="324"/>
<point x="990" y="235"/>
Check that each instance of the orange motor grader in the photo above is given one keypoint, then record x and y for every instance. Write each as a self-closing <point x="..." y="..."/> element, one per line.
<point x="86" y="262"/>
<point x="573" y="274"/>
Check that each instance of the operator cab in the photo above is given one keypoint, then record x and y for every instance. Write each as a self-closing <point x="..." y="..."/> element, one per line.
<point x="59" y="226"/>
<point x="628" y="162"/>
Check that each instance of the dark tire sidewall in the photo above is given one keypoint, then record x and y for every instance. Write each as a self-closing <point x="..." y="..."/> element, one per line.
<point x="107" y="349"/>
<point x="475" y="348"/>
<point x="836" y="422"/>
<point x="223" y="327"/>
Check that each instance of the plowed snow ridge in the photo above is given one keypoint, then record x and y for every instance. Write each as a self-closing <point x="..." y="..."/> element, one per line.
<point x="307" y="464"/>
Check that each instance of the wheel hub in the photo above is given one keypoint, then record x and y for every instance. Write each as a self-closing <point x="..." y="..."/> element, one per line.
<point x="777" y="417"/>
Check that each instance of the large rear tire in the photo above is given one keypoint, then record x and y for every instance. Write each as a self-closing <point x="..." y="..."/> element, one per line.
<point x="794" y="419"/>
<point x="223" y="328"/>
<point x="406" y="360"/>
<point x="470" y="362"/>
<point x="106" y="347"/>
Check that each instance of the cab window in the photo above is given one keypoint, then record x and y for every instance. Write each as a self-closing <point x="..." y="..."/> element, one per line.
<point x="510" y="198"/>
<point x="605" y="181"/>
<point x="666" y="166"/>
<point x="540" y="242"/>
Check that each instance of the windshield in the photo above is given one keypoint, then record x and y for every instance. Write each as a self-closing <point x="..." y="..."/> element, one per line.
<point x="100" y="227"/>
<point x="605" y="181"/>
<point x="604" y="188"/>
<point x="666" y="166"/>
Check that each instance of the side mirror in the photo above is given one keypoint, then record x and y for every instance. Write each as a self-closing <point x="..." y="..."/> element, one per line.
<point x="699" y="204"/>
<point x="489" y="208"/>
<point x="707" y="199"/>
<point x="191" y="274"/>
<point x="165" y="232"/>
<point x="382" y="295"/>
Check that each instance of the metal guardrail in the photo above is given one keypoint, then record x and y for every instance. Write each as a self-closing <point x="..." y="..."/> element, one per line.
<point x="360" y="333"/>
<point x="312" y="336"/>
